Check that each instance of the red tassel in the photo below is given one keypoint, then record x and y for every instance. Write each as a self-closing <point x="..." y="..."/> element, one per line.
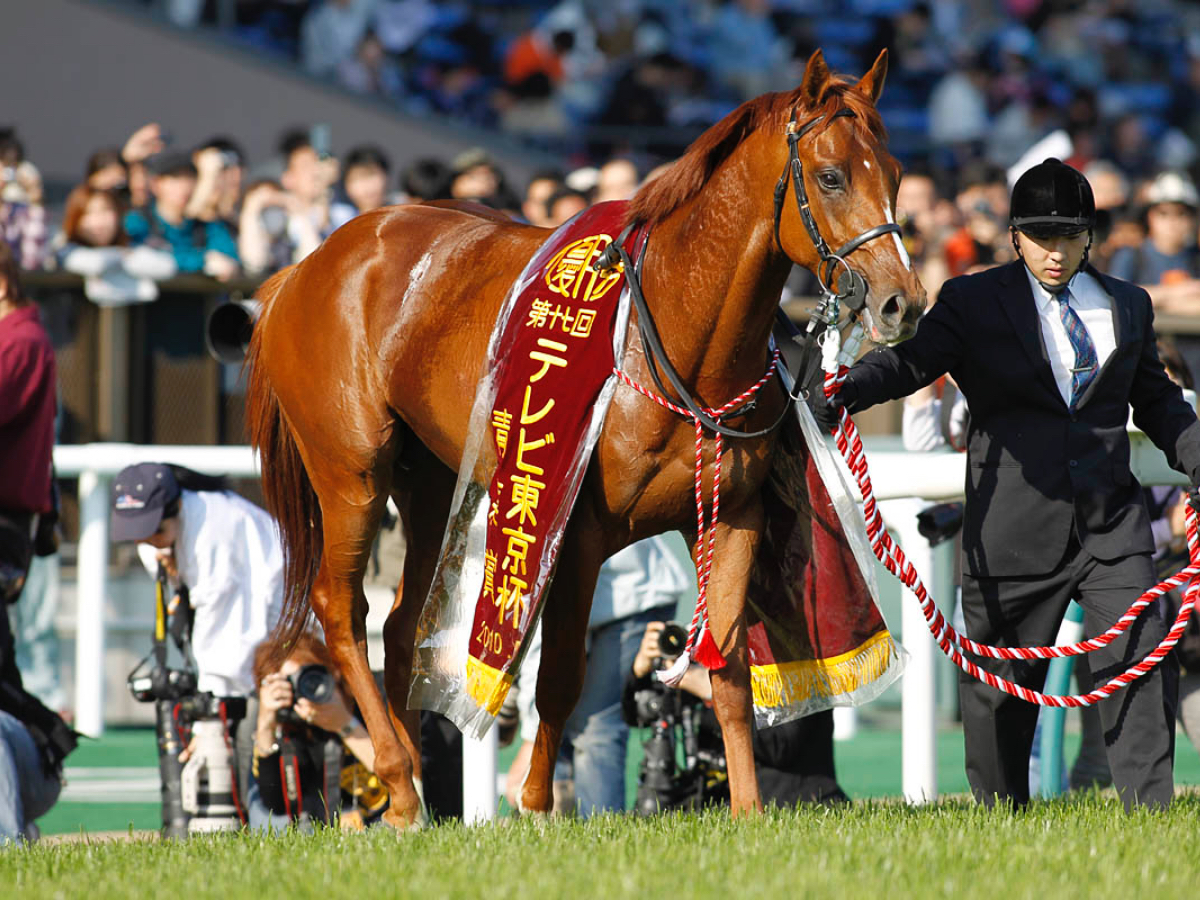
<point x="707" y="653"/>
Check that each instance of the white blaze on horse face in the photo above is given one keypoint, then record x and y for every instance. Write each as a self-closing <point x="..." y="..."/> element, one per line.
<point x="867" y="164"/>
<point x="900" y="248"/>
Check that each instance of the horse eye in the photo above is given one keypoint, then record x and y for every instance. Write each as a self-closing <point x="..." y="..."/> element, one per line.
<point x="829" y="180"/>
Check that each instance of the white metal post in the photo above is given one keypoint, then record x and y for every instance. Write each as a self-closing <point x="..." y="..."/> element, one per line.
<point x="845" y="723"/>
<point x="919" y="689"/>
<point x="480" y="798"/>
<point x="90" y="593"/>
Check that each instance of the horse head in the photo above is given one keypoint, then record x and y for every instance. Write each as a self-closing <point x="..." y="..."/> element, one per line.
<point x="835" y="201"/>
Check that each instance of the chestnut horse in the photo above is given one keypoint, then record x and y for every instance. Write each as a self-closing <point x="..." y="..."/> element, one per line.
<point x="366" y="357"/>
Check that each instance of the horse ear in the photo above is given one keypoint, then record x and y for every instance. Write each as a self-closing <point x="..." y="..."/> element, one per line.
<point x="871" y="84"/>
<point x="816" y="76"/>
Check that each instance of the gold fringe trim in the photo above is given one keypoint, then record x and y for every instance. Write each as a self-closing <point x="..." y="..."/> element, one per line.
<point x="793" y="683"/>
<point x="487" y="686"/>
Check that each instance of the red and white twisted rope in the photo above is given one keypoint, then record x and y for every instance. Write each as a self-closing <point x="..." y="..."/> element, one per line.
<point x="704" y="545"/>
<point x="849" y="443"/>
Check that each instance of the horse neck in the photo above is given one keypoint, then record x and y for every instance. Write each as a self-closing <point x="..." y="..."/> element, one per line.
<point x="713" y="278"/>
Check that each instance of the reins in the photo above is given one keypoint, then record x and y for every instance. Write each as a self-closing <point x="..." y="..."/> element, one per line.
<point x="849" y="443"/>
<point x="656" y="354"/>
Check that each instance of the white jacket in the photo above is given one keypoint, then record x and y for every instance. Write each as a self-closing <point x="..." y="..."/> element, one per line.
<point x="229" y="556"/>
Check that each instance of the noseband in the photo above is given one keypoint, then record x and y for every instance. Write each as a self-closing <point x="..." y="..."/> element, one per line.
<point x="851" y="285"/>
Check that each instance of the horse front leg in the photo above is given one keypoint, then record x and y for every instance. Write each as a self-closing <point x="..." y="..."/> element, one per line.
<point x="737" y="539"/>
<point x="564" y="662"/>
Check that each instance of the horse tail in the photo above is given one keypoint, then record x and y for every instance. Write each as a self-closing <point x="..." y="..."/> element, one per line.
<point x="288" y="492"/>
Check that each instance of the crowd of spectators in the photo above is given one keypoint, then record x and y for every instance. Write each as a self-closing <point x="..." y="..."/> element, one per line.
<point x="145" y="211"/>
<point x="977" y="78"/>
<point x="987" y="87"/>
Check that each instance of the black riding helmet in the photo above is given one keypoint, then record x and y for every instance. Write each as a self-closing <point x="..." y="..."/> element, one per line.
<point x="1049" y="200"/>
<point x="1052" y="199"/>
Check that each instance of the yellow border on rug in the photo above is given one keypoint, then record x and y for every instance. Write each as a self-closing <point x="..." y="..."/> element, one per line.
<point x="791" y="683"/>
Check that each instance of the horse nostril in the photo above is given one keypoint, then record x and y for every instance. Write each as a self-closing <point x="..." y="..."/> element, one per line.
<point x="893" y="308"/>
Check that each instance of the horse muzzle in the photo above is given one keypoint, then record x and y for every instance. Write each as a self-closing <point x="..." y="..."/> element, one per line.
<point x="895" y="318"/>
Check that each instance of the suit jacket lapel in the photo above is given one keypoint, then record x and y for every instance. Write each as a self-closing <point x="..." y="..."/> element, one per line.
<point x="1122" y="313"/>
<point x="1017" y="300"/>
<point x="1121" y="306"/>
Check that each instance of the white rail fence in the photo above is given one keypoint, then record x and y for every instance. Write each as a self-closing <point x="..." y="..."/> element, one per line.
<point x="908" y="481"/>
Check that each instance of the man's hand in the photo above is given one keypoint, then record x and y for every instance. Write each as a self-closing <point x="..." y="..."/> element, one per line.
<point x="219" y="266"/>
<point x="30" y="181"/>
<point x="274" y="694"/>
<point x="186" y="753"/>
<point x="643" y="663"/>
<point x="144" y="142"/>
<point x="166" y="558"/>
<point x="827" y="411"/>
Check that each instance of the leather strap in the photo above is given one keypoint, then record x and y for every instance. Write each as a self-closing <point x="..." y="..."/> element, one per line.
<point x="656" y="354"/>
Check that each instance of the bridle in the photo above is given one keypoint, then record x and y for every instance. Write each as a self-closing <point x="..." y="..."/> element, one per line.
<point x="851" y="285"/>
<point x="851" y="288"/>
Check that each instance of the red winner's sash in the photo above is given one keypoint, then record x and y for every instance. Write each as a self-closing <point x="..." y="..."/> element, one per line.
<point x="535" y="420"/>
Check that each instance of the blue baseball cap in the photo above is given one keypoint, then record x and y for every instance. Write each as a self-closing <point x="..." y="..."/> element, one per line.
<point x="140" y="494"/>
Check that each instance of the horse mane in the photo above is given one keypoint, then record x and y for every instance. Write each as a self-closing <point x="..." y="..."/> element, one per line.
<point x="687" y="175"/>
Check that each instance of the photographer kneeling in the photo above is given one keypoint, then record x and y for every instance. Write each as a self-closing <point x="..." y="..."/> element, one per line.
<point x="309" y="746"/>
<point x="794" y="760"/>
<point x="217" y="557"/>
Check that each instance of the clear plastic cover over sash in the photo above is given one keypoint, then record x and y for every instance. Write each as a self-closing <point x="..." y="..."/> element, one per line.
<point x="444" y="629"/>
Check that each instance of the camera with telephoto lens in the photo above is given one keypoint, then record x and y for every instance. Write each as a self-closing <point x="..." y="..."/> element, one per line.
<point x="677" y="719"/>
<point x="198" y="795"/>
<point x="313" y="683"/>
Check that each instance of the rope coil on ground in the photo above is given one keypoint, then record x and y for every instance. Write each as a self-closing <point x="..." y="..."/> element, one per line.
<point x="850" y="445"/>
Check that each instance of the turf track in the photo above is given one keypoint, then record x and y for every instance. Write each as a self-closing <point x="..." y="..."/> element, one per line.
<point x="1082" y="847"/>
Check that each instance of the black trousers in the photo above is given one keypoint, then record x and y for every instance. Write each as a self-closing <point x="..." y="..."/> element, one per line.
<point x="1139" y="720"/>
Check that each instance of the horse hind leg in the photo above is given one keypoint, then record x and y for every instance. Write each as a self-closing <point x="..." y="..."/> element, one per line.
<point x="351" y="509"/>
<point x="423" y="494"/>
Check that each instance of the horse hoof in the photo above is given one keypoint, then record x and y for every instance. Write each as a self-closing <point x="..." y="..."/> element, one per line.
<point x="401" y="821"/>
<point x="540" y="820"/>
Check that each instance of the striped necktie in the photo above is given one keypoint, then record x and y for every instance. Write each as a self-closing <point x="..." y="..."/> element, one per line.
<point x="1086" y="366"/>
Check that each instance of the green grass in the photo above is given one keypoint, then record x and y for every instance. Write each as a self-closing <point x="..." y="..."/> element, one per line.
<point x="868" y="767"/>
<point x="1080" y="847"/>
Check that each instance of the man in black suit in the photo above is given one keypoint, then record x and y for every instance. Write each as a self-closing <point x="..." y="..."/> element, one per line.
<point x="1050" y="354"/>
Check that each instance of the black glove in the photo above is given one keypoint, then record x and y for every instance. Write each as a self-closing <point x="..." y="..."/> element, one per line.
<point x="827" y="411"/>
<point x="1193" y="499"/>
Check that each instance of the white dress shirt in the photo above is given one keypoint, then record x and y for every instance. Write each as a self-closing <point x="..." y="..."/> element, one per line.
<point x="1094" y="308"/>
<point x="921" y="426"/>
<point x="229" y="556"/>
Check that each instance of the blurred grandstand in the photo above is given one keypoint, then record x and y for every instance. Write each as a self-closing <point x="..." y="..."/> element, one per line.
<point x="587" y="78"/>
